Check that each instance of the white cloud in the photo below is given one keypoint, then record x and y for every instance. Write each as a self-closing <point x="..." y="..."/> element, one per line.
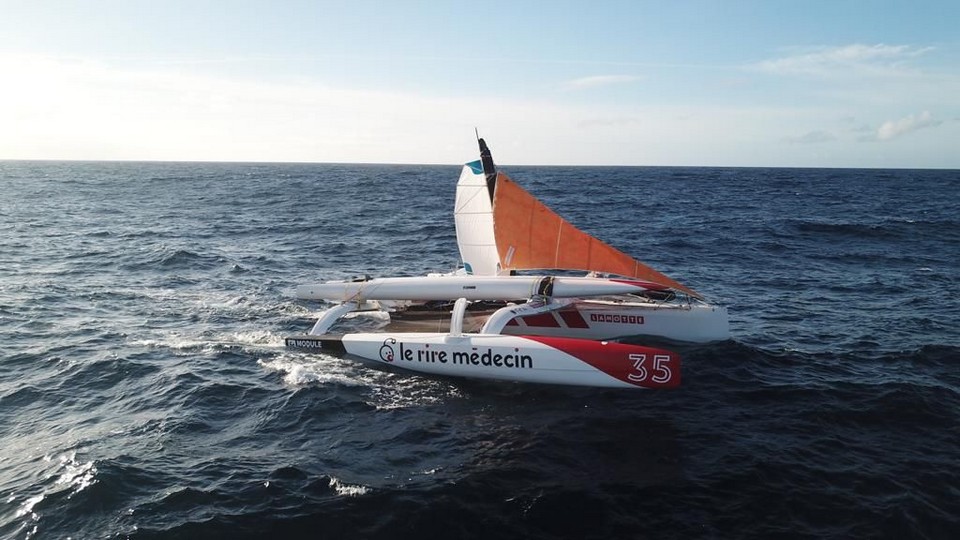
<point x="811" y="137"/>
<point x="846" y="60"/>
<point x="600" y="80"/>
<point x="892" y="129"/>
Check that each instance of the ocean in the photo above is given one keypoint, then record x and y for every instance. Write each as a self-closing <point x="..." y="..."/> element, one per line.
<point x="145" y="391"/>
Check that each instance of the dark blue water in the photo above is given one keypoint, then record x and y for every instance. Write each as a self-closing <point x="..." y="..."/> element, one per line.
<point x="145" y="391"/>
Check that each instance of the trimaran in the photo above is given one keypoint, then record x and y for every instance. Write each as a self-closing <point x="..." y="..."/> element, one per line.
<point x="540" y="322"/>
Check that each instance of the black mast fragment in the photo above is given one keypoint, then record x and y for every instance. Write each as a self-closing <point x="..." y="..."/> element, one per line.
<point x="489" y="169"/>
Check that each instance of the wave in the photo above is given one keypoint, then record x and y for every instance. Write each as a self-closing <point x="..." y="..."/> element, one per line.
<point x="885" y="229"/>
<point x="857" y="230"/>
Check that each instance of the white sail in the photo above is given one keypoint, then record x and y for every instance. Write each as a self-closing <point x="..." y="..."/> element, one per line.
<point x="473" y="215"/>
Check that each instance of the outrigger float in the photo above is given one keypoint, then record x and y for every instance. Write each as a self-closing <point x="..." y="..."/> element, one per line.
<point x="541" y="328"/>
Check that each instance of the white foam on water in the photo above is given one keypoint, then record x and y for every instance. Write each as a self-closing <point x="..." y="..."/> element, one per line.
<point x="27" y="506"/>
<point x="259" y="338"/>
<point x="386" y="390"/>
<point x="301" y="370"/>
<point x="76" y="475"/>
<point x="172" y="341"/>
<point x="348" y="490"/>
<point x="405" y="391"/>
<point x="69" y="474"/>
<point x="183" y="344"/>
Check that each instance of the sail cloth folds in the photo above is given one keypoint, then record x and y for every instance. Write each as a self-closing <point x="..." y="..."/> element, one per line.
<point x="473" y="217"/>
<point x="531" y="236"/>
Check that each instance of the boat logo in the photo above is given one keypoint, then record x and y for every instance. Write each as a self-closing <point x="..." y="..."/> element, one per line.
<point x="386" y="351"/>
<point x="619" y="319"/>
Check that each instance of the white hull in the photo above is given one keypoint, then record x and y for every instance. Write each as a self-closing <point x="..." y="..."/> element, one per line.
<point x="693" y="323"/>
<point x="450" y="287"/>
<point x="546" y="360"/>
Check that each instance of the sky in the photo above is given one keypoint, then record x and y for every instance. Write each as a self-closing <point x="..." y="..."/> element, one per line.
<point x="714" y="83"/>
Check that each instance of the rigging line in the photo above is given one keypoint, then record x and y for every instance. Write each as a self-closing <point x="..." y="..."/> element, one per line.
<point x="479" y="189"/>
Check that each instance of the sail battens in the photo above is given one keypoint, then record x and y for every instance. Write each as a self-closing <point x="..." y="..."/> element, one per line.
<point x="556" y="251"/>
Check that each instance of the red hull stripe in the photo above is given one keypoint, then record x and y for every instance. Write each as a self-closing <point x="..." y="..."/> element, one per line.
<point x="633" y="364"/>
<point x="543" y="320"/>
<point x="573" y="319"/>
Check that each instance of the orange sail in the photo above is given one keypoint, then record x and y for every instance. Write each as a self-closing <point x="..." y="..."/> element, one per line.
<point x="530" y="236"/>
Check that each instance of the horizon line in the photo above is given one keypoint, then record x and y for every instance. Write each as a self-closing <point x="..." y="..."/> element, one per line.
<point x="397" y="164"/>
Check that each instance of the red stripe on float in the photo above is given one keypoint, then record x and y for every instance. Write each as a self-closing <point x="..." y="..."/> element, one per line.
<point x="634" y="364"/>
